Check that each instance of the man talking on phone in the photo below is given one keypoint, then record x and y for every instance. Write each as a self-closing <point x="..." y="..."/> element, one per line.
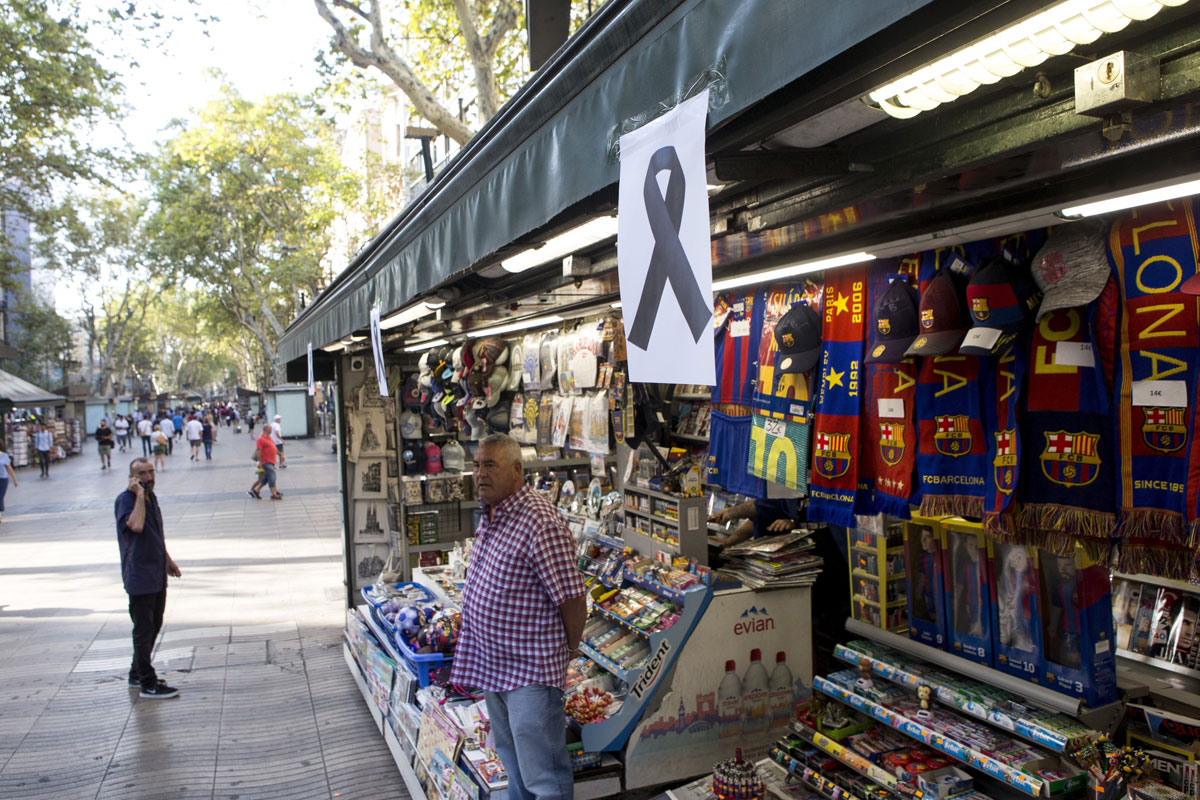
<point x="145" y="566"/>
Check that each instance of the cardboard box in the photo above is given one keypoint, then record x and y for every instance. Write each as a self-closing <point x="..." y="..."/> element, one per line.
<point x="1016" y="634"/>
<point x="968" y="590"/>
<point x="924" y="566"/>
<point x="1078" y="642"/>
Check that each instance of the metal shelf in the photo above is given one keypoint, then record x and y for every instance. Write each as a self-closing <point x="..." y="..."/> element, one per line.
<point x="1103" y="718"/>
<point x="604" y="661"/>
<point x="1183" y="586"/>
<point x="691" y="437"/>
<point x="846" y="756"/>
<point x="674" y="498"/>
<point x="406" y="770"/>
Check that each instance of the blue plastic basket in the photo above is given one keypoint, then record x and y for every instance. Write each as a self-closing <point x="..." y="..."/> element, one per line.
<point x="423" y="664"/>
<point x="429" y="598"/>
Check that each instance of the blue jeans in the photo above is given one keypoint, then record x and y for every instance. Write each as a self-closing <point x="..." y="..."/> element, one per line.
<point x="529" y="727"/>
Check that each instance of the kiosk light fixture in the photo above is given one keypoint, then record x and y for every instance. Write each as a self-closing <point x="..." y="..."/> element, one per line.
<point x="496" y="330"/>
<point x="1051" y="32"/>
<point x="1130" y="200"/>
<point x="791" y="270"/>
<point x="419" y="346"/>
<point x="578" y="238"/>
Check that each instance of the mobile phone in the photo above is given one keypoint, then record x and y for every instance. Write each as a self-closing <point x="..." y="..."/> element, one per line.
<point x="145" y="484"/>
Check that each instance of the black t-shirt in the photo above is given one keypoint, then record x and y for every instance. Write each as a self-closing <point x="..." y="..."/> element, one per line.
<point x="104" y="435"/>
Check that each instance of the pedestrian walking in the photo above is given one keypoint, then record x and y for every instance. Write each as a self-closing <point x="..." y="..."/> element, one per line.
<point x="264" y="454"/>
<point x="277" y="438"/>
<point x="145" y="429"/>
<point x="145" y="565"/>
<point x="177" y="422"/>
<point x="194" y="430"/>
<point x="6" y="475"/>
<point x="208" y="436"/>
<point x="43" y="443"/>
<point x="104" y="443"/>
<point x="524" y="580"/>
<point x="168" y="430"/>
<point x="161" y="445"/>
<point x="121" y="428"/>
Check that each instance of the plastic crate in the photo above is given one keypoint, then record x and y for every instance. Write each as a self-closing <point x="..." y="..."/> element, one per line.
<point x="371" y="601"/>
<point x="422" y="664"/>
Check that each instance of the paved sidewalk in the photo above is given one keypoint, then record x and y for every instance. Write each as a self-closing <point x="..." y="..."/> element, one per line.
<point x="252" y="639"/>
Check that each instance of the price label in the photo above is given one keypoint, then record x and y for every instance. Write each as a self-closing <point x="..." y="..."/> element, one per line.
<point x="985" y="338"/>
<point x="1074" y="354"/>
<point x="739" y="328"/>
<point x="774" y="427"/>
<point x="1172" y="394"/>
<point x="891" y="408"/>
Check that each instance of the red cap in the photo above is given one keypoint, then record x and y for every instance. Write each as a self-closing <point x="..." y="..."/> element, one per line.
<point x="730" y="665"/>
<point x="756" y="654"/>
<point x="780" y="657"/>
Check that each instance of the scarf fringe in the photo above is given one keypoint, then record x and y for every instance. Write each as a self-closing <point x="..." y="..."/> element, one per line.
<point x="1151" y="558"/>
<point x="1155" y="525"/>
<point x="1000" y="525"/>
<point x="952" y="505"/>
<point x="1079" y="523"/>
<point x="890" y="504"/>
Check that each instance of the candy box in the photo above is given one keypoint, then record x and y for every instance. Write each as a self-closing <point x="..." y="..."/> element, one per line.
<point x="924" y="567"/>
<point x="1057" y="775"/>
<point x="944" y="783"/>
<point x="968" y="592"/>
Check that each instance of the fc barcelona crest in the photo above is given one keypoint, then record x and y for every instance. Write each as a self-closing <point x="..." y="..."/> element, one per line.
<point x="891" y="442"/>
<point x="831" y="455"/>
<point x="926" y="317"/>
<point x="953" y="436"/>
<point x="1005" y="462"/>
<point x="1163" y="429"/>
<point x="885" y="325"/>
<point x="979" y="308"/>
<point x="1071" y="459"/>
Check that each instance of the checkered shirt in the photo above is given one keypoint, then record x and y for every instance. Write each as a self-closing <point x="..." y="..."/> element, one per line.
<point x="522" y="568"/>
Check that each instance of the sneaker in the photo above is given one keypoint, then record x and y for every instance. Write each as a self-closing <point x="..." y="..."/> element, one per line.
<point x="254" y="494"/>
<point x="136" y="683"/>
<point x="277" y="496"/>
<point x="160" y="691"/>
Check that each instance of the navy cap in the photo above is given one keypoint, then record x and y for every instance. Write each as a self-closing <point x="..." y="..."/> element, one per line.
<point x="1001" y="299"/>
<point x="798" y="340"/>
<point x="896" y="323"/>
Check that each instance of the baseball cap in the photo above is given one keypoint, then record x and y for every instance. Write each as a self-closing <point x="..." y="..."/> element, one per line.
<point x="411" y="395"/>
<point x="942" y="322"/>
<point x="798" y="339"/>
<point x="895" y="323"/>
<point x="1000" y="298"/>
<point x="498" y="419"/>
<point x="414" y="458"/>
<point x="1072" y="267"/>
<point x="454" y="457"/>
<point x="277" y="417"/>
<point x="433" y="458"/>
<point x="410" y="425"/>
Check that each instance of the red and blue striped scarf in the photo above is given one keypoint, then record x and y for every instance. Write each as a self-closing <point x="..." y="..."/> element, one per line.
<point x="1154" y="250"/>
<point x="835" y="460"/>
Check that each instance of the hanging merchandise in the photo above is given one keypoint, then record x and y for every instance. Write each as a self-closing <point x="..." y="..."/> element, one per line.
<point x="1068" y="469"/>
<point x="789" y="349"/>
<point x="835" y="467"/>
<point x="890" y="438"/>
<point x="952" y="455"/>
<point x="1001" y="298"/>
<point x="737" y="331"/>
<point x="1154" y="250"/>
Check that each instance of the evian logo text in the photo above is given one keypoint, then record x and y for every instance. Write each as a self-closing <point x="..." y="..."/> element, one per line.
<point x="652" y="670"/>
<point x="754" y="620"/>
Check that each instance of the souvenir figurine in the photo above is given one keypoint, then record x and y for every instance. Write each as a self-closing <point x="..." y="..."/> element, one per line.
<point x="968" y="605"/>
<point x="1062" y="643"/>
<point x="929" y="587"/>
<point x="1013" y="599"/>
<point x="925" y="695"/>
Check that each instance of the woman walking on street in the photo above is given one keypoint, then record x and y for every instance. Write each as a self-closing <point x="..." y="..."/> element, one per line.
<point x="161" y="442"/>
<point x="208" y="435"/>
<point x="5" y="476"/>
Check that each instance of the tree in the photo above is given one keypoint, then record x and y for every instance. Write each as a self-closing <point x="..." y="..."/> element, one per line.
<point x="437" y="38"/>
<point x="44" y="339"/>
<point x="244" y="196"/>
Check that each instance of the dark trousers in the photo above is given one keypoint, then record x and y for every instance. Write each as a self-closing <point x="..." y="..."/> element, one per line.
<point x="44" y="461"/>
<point x="146" y="611"/>
<point x="146" y="449"/>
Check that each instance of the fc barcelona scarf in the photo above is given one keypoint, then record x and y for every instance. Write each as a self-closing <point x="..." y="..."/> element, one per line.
<point x="1154" y="250"/>
<point x="889" y="435"/>
<point x="834" y="478"/>
<point x="1001" y="385"/>
<point x="1068" y="476"/>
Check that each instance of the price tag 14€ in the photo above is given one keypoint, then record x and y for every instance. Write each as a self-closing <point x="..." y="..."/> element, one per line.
<point x="891" y="408"/>
<point x="1074" y="354"/>
<point x="1172" y="394"/>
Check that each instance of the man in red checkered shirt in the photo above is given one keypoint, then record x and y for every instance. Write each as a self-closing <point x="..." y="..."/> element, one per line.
<point x="523" y="614"/>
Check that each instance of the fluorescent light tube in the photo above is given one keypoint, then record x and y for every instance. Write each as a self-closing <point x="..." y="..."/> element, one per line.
<point x="407" y="315"/>
<point x="416" y="348"/>
<point x="582" y="236"/>
<point x="536" y="322"/>
<point x="791" y="270"/>
<point x="1142" y="198"/>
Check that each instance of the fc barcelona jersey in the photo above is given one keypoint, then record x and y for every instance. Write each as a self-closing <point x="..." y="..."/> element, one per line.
<point x="737" y="338"/>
